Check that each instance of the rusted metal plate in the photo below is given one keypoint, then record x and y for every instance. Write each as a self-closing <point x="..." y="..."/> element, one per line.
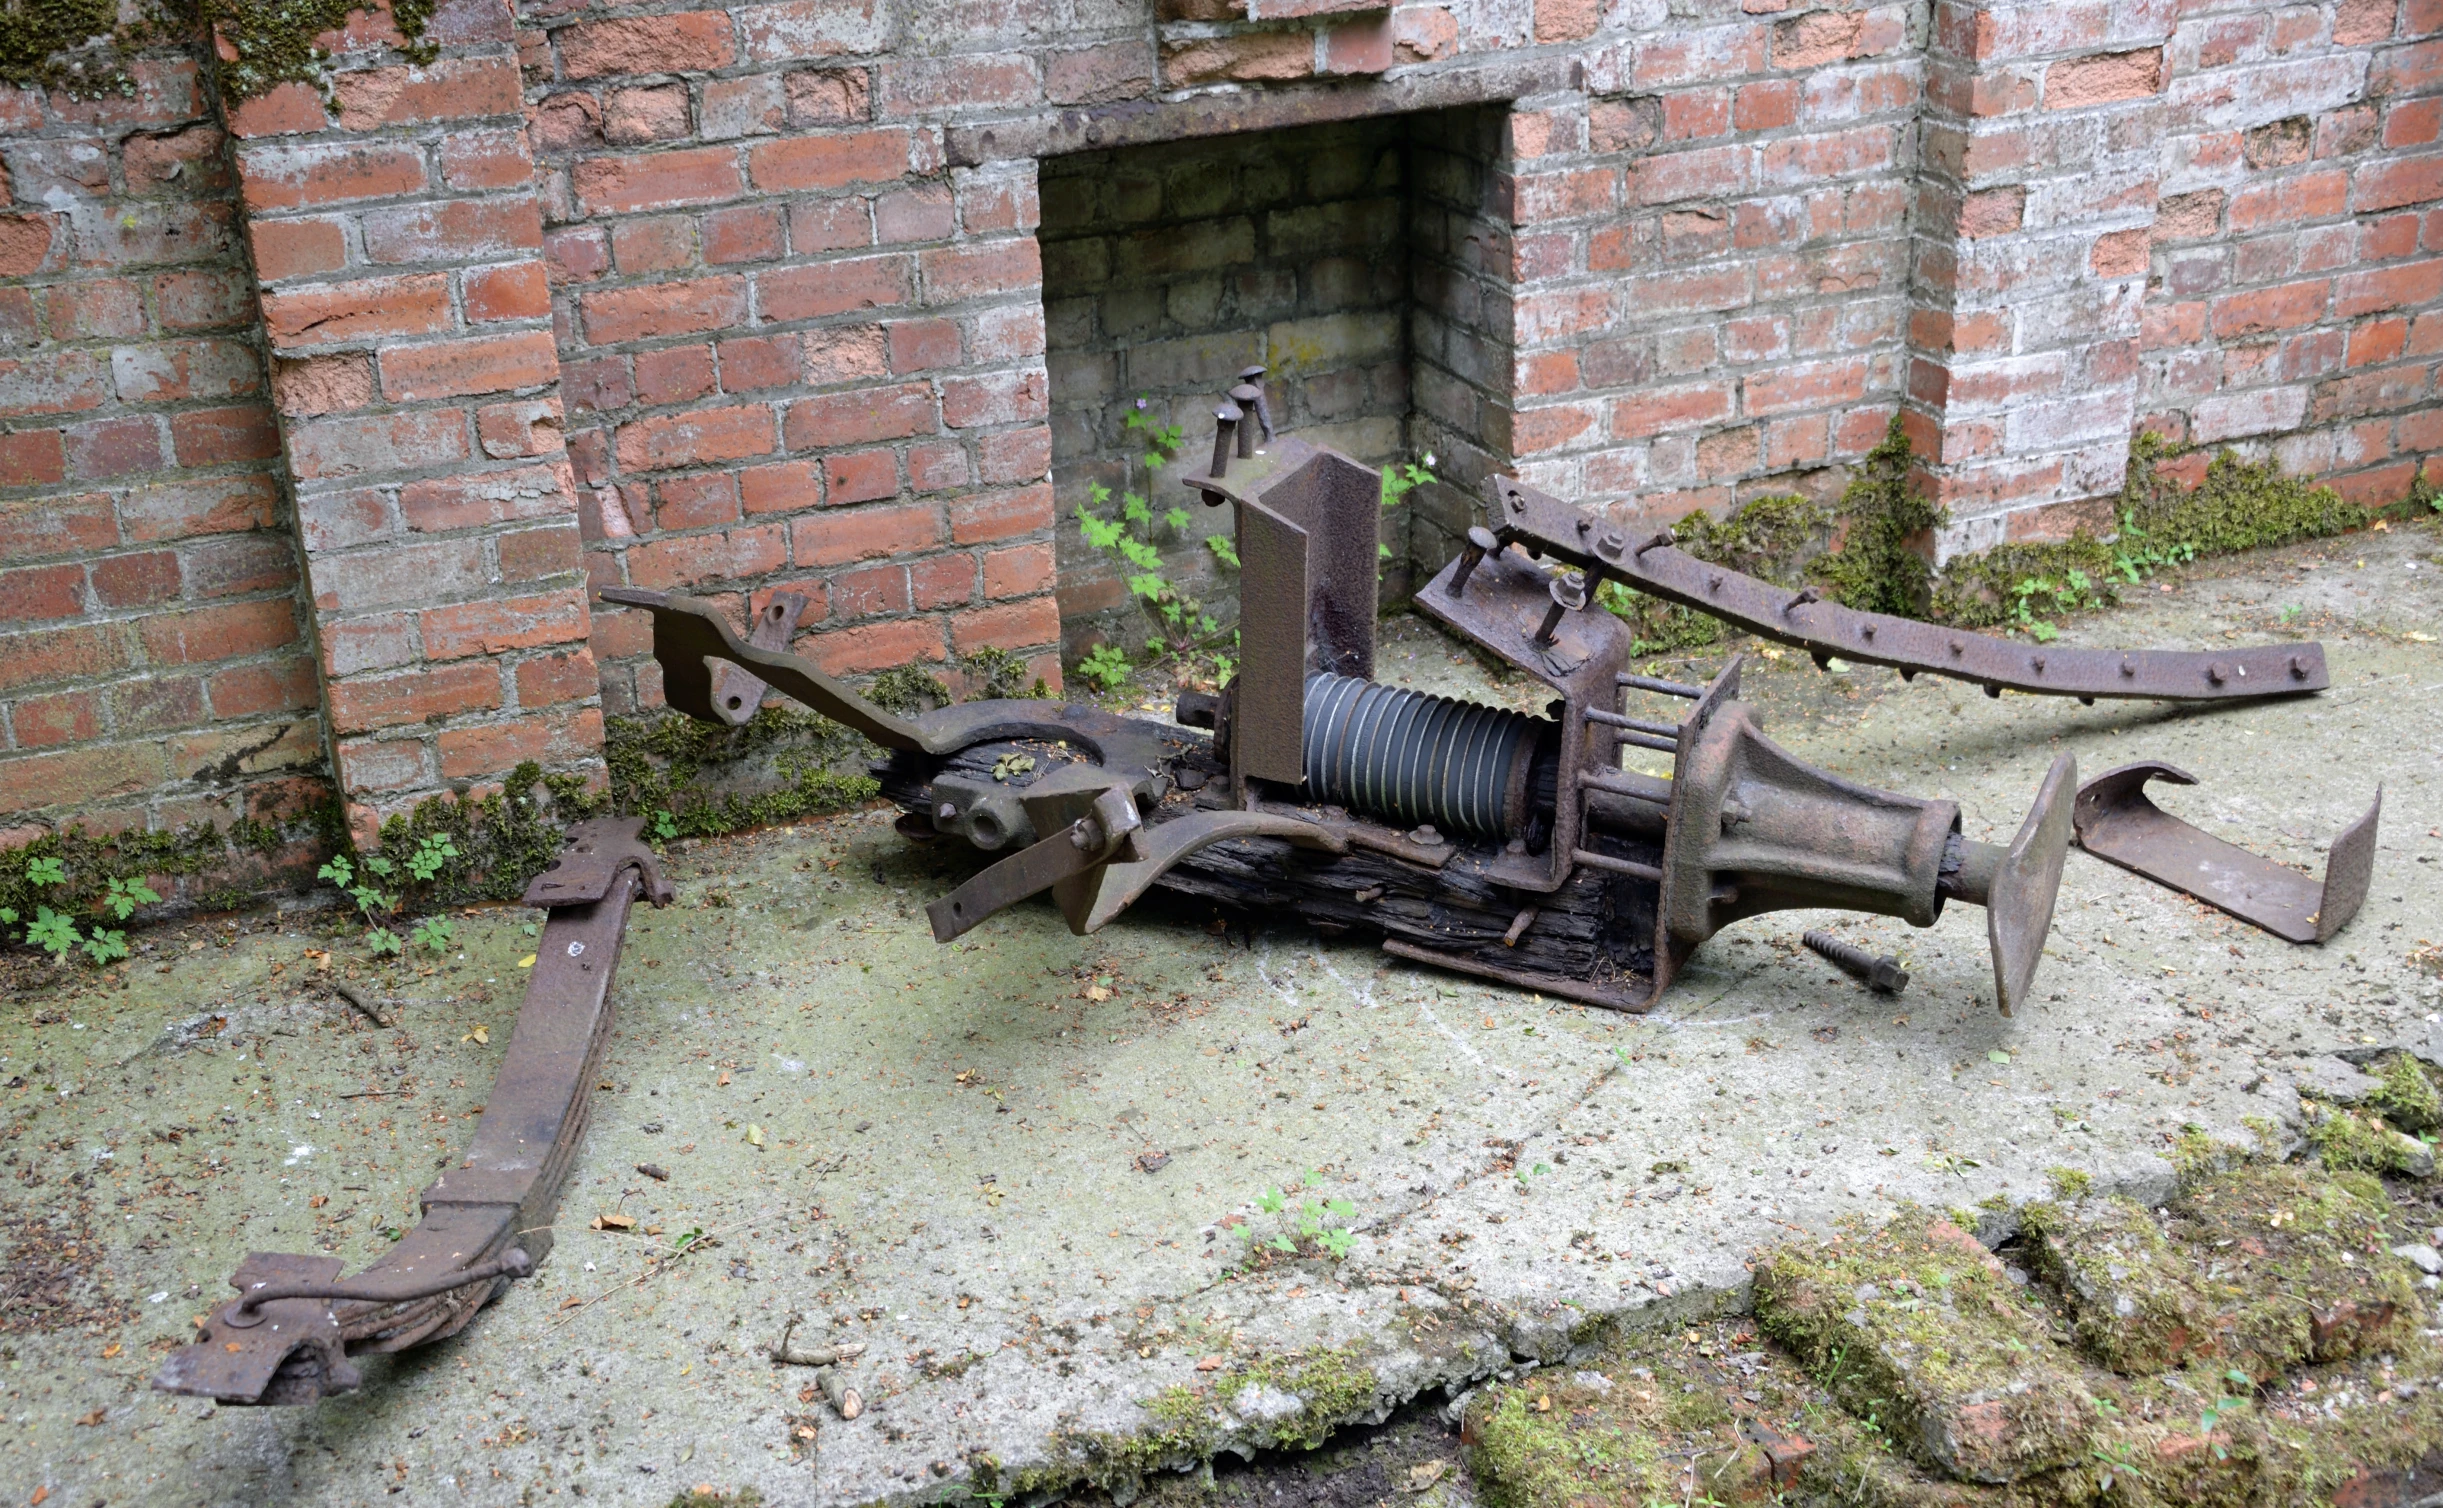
<point x="487" y="1219"/>
<point x="692" y="638"/>
<point x="1553" y="527"/>
<point x="737" y="691"/>
<point x="1268" y="698"/>
<point x="2019" y="908"/>
<point x="2117" y="822"/>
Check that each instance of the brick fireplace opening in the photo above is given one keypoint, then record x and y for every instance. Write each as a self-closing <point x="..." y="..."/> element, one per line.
<point x="1359" y="261"/>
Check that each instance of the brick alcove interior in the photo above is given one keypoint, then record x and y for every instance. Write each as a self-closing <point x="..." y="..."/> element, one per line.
<point x="1351" y="259"/>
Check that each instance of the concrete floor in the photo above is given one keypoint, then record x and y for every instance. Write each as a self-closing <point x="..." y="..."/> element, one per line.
<point x="953" y="1140"/>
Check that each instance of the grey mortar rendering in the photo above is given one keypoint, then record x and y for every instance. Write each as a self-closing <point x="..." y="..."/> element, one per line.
<point x="941" y="1152"/>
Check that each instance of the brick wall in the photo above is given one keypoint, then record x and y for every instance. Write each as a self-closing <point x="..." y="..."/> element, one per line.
<point x="802" y="352"/>
<point x="746" y="298"/>
<point x="153" y="664"/>
<point x="1168" y="270"/>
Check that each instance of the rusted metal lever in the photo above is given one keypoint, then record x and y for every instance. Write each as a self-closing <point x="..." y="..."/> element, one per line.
<point x="371" y="1288"/>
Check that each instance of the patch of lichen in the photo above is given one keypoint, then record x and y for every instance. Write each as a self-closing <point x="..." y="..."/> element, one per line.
<point x="675" y="765"/>
<point x="1915" y="1323"/>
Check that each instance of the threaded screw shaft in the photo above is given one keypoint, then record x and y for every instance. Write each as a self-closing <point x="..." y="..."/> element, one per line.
<point x="1881" y="974"/>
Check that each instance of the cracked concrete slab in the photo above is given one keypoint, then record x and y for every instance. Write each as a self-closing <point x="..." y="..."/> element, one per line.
<point x="944" y="1153"/>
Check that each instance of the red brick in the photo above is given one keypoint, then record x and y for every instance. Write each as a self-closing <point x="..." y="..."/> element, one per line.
<point x="40" y="593"/>
<point x="136" y="580"/>
<point x="79" y="777"/>
<point x="779" y="489"/>
<point x="1644" y="414"/>
<point x="74" y="652"/>
<point x="860" y="477"/>
<point x="963" y="272"/>
<point x="359" y="705"/>
<point x="1366" y="45"/>
<point x="2283" y="307"/>
<point x="690" y="560"/>
<point x="65" y="717"/>
<point x="860" y="417"/>
<point x="827" y="162"/>
<point x="108" y="448"/>
<point x="327" y="449"/>
<point x="762" y="361"/>
<point x="1249" y="57"/>
<point x="876" y="646"/>
<point x="705" y="437"/>
<point x="921" y="213"/>
<point x="935" y="467"/>
<point x="517" y="291"/>
<point x="57" y="526"/>
<point x="448" y="89"/>
<point x="203" y="300"/>
<point x="656" y="309"/>
<point x="750" y="233"/>
<point x="259" y="690"/>
<point x="1013" y="625"/>
<point x="547" y="680"/>
<point x="363" y="309"/>
<point x="2102" y="78"/>
<point x="658" y="112"/>
<point x="2121" y="254"/>
<point x="1099" y="75"/>
<point x="1018" y="571"/>
<point x="675" y="374"/>
<point x="455" y="230"/>
<point x="1768" y="105"/>
<point x="1021" y="455"/>
<point x="838" y="537"/>
<point x="284" y="110"/>
<point x="556" y="737"/>
<point x="870" y="593"/>
<point x="2378" y="341"/>
<point x="278" y="178"/>
<point x="478" y="159"/>
<point x="208" y="437"/>
<point x="942" y="581"/>
<point x="235" y="565"/>
<point x="467" y="366"/>
<point x="646" y="44"/>
<point x="2397" y="181"/>
<point x="660" y="180"/>
<point x="229" y="632"/>
<point x="660" y="245"/>
<point x="295" y="248"/>
<point x="695" y="502"/>
<point x="481" y="499"/>
<point x="989" y="516"/>
<point x="1001" y="398"/>
<point x="828" y="288"/>
<point x="1805" y="385"/>
<point x="2360" y="293"/>
<point x="535" y="554"/>
<point x="829" y="96"/>
<point x="497" y="627"/>
<point x="34" y="457"/>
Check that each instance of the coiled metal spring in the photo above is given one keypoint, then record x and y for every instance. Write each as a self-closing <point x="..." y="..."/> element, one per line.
<point x="1412" y="757"/>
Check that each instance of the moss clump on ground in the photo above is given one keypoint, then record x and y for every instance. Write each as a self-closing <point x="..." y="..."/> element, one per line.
<point x="1886" y="523"/>
<point x="70" y="870"/>
<point x="2408" y="1098"/>
<point x="1292" y="1401"/>
<point x="1916" y="1322"/>
<point x="2364" y="1141"/>
<point x="663" y="769"/>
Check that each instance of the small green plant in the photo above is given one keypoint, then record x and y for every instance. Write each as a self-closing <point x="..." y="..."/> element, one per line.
<point x="664" y="827"/>
<point x="1400" y="479"/>
<point x="45" y="870"/>
<point x="1307" y="1220"/>
<point x="105" y="944"/>
<point x="434" y="853"/>
<point x="124" y="896"/>
<point x="1106" y="667"/>
<point x="384" y="943"/>
<point x="437" y="933"/>
<point x="53" y="933"/>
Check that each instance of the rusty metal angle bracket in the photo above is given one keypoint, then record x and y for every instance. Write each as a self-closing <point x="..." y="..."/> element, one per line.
<point x="737" y="691"/>
<point x="2117" y="823"/>
<point x="286" y="1339"/>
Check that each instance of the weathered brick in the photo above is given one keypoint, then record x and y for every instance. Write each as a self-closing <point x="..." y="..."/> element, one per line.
<point x="829" y="162"/>
<point x="1247" y="57"/>
<point x="467" y="366"/>
<point x="964" y="272"/>
<point x="658" y="309"/>
<point x="288" y="685"/>
<point x="676" y="374"/>
<point x="555" y="549"/>
<point x="361" y="309"/>
<point x="516" y="291"/>
<point x="680" y="43"/>
<point x="454" y="230"/>
<point x="859" y="417"/>
<point x="1001" y="398"/>
<point x="500" y="626"/>
<point x="297" y="248"/>
<point x="838" y="537"/>
<point x="78" y="777"/>
<point x="659" y="180"/>
<point x="332" y="448"/>
<point x="297" y="177"/>
<point x="232" y="631"/>
<point x="987" y="517"/>
<point x="208" y="437"/>
<point x="558" y="736"/>
<point x="828" y="288"/>
<point x="1009" y="625"/>
<point x="447" y="90"/>
<point x="689" y="560"/>
<point x="478" y="500"/>
<point x="702" y="438"/>
<point x="547" y="680"/>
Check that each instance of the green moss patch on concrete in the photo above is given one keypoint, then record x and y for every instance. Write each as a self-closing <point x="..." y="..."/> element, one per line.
<point x="2408" y="1098"/>
<point x="1917" y="1325"/>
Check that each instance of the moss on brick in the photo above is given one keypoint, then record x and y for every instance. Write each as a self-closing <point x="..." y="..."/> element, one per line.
<point x="1773" y="538"/>
<point x="672" y="764"/>
<point x="82" y="47"/>
<point x="89" y="861"/>
<point x="1916" y="1324"/>
<point x="1882" y="564"/>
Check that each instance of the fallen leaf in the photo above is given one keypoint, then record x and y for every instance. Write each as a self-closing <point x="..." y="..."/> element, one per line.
<point x="96" y="1417"/>
<point x="725" y="1078"/>
<point x="614" y="1222"/>
<point x="41" y="1494"/>
<point x="571" y="1302"/>
<point x="479" y="1034"/>
<point x="1097" y="993"/>
<point x="754" y="1136"/>
<point x="111" y="1350"/>
<point x="1425" y="1473"/>
<point x="1209" y="1364"/>
<point x="318" y="1201"/>
<point x="526" y="962"/>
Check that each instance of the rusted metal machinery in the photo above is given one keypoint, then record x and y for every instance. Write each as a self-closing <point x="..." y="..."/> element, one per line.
<point x="1476" y="838"/>
<point x="287" y="1337"/>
